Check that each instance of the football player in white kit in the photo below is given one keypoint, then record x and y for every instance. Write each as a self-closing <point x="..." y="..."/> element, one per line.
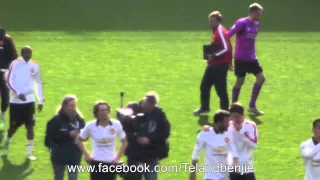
<point x="217" y="143"/>
<point x="310" y="151"/>
<point x="245" y="138"/>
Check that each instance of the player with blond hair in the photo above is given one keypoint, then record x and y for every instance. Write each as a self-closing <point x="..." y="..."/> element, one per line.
<point x="245" y="58"/>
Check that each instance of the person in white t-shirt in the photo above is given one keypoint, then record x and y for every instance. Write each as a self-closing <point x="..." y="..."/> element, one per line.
<point x="245" y="136"/>
<point x="217" y="143"/>
<point x="310" y="151"/>
<point x="103" y="132"/>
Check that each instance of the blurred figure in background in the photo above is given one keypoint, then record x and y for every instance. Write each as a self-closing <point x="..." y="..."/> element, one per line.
<point x="8" y="53"/>
<point x="60" y="137"/>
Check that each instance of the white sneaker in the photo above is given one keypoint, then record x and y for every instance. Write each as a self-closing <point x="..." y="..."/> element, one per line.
<point x="31" y="157"/>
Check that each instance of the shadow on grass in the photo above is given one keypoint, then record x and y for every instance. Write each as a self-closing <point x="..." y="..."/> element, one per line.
<point x="14" y="171"/>
<point x="254" y="118"/>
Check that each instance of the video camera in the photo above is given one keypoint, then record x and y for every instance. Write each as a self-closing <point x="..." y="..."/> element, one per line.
<point x="129" y="117"/>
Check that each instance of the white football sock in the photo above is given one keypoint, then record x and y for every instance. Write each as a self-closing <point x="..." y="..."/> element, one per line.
<point x="30" y="147"/>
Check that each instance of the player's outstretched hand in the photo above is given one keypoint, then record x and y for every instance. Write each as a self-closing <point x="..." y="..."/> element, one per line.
<point x="40" y="107"/>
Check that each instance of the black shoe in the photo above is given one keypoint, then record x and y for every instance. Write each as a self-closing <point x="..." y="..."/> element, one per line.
<point x="200" y="111"/>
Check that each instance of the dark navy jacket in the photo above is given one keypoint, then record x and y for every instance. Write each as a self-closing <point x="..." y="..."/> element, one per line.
<point x="156" y="127"/>
<point x="62" y="146"/>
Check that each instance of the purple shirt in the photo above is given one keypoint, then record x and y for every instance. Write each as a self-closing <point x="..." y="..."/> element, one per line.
<point x="246" y="32"/>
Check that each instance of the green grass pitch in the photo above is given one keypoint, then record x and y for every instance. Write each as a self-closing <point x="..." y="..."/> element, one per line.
<point x="96" y="49"/>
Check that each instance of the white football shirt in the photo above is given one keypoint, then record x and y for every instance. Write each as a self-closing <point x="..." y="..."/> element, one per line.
<point x="245" y="141"/>
<point x="310" y="151"/>
<point x="216" y="153"/>
<point x="103" y="139"/>
<point x="21" y="77"/>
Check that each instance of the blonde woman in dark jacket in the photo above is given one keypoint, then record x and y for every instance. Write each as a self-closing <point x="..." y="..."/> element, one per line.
<point x="60" y="138"/>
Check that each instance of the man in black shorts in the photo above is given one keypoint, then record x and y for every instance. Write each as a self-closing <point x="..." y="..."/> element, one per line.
<point x="21" y="76"/>
<point x="8" y="53"/>
<point x="246" y="30"/>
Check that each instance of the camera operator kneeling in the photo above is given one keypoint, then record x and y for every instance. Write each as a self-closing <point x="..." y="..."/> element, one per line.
<point x="147" y="144"/>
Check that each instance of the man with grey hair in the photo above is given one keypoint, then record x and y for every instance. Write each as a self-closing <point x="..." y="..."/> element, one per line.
<point x="149" y="142"/>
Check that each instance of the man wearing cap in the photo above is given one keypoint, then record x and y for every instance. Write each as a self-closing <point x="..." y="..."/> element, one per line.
<point x="8" y="53"/>
<point x="245" y="59"/>
<point x="217" y="69"/>
<point x="150" y="142"/>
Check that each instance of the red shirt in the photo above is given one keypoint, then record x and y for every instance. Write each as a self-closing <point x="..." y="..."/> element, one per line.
<point x="220" y="38"/>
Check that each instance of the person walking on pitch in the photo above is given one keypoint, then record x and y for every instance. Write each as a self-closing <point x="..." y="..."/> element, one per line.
<point x="246" y="61"/>
<point x="22" y="74"/>
<point x="217" y="69"/>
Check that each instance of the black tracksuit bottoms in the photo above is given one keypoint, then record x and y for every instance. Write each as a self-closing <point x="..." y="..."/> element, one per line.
<point x="215" y="76"/>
